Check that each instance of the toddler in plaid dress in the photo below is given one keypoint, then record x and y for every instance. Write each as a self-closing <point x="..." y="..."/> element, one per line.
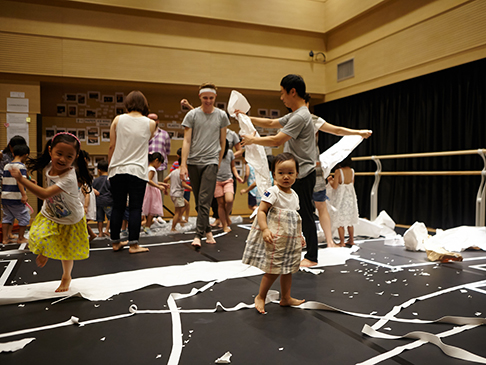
<point x="275" y="241"/>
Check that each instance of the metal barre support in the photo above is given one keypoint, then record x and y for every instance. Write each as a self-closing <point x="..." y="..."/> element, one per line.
<point x="374" y="190"/>
<point x="480" y="198"/>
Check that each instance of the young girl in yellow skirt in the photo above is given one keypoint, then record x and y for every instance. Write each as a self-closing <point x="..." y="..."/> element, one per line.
<point x="59" y="230"/>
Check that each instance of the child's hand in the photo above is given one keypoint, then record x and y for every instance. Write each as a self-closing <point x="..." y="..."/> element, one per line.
<point x="242" y="191"/>
<point x="24" y="199"/>
<point x="267" y="235"/>
<point x="97" y="193"/>
<point x="240" y="179"/>
<point x="302" y="238"/>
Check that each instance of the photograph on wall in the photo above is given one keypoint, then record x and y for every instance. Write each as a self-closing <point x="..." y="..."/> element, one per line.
<point x="82" y="134"/>
<point x="221" y="105"/>
<point x="105" y="135"/>
<point x="61" y="110"/>
<point x="50" y="132"/>
<point x="98" y="159"/>
<point x="60" y="130"/>
<point x="91" y="113"/>
<point x="72" y="110"/>
<point x="81" y="99"/>
<point x="70" y="98"/>
<point x="171" y="134"/>
<point x="93" y="136"/>
<point x="120" y="111"/>
<point x="120" y="98"/>
<point x="262" y="112"/>
<point x="275" y="113"/>
<point x="108" y="99"/>
<point x="94" y="95"/>
<point x="74" y="132"/>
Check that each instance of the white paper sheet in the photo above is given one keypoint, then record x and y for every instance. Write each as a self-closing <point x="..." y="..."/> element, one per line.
<point x="15" y="345"/>
<point x="338" y="152"/>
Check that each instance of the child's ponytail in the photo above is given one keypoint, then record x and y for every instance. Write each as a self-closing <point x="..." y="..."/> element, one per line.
<point x="38" y="164"/>
<point x="83" y="174"/>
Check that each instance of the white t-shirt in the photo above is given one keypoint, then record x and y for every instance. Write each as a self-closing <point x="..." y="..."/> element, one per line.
<point x="279" y="199"/>
<point x="155" y="179"/>
<point x="65" y="207"/>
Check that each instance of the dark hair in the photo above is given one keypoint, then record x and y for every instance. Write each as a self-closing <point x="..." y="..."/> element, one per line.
<point x="85" y="154"/>
<point x="136" y="101"/>
<point x="284" y="157"/>
<point x="14" y="141"/>
<point x="296" y="82"/>
<point x="103" y="165"/>
<point x="226" y="148"/>
<point x="21" y="149"/>
<point x="347" y="162"/>
<point x="270" y="159"/>
<point x="307" y="98"/>
<point x="179" y="152"/>
<point x="39" y="163"/>
<point x="155" y="156"/>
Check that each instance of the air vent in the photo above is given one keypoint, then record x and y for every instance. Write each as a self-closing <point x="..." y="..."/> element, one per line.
<point x="345" y="70"/>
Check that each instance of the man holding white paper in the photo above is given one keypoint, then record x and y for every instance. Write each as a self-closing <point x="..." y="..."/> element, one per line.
<point x="298" y="137"/>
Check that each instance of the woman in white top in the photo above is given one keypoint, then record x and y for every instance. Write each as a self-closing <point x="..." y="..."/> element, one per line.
<point x="128" y="169"/>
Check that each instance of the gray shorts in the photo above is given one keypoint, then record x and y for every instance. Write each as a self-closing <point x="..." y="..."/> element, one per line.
<point x="178" y="201"/>
<point x="19" y="212"/>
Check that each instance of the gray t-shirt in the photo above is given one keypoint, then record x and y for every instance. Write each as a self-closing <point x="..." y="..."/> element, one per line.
<point x="224" y="172"/>
<point x="206" y="132"/>
<point x="302" y="145"/>
<point x="232" y="138"/>
<point x="176" y="188"/>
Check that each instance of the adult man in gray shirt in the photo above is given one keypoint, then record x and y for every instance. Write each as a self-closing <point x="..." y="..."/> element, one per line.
<point x="202" y="151"/>
<point x="297" y="135"/>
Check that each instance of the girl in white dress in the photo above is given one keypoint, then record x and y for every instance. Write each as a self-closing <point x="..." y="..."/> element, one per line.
<point x="343" y="207"/>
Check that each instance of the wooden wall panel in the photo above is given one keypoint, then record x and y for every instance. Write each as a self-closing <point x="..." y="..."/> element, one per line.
<point x="458" y="35"/>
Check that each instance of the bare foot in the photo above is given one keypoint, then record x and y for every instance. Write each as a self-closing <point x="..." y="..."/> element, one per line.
<point x="41" y="260"/>
<point x="307" y="263"/>
<point x="91" y="238"/>
<point x="291" y="302"/>
<point x="117" y="246"/>
<point x="22" y="240"/>
<point x="137" y="249"/>
<point x="65" y="282"/>
<point x="217" y="223"/>
<point x="260" y="304"/>
<point x="210" y="239"/>
<point x="350" y="242"/>
<point x="227" y="229"/>
<point x="183" y="221"/>
<point x="196" y="243"/>
<point x="333" y="245"/>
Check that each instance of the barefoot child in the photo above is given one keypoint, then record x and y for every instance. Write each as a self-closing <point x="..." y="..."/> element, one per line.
<point x="14" y="197"/>
<point x="274" y="244"/>
<point x="177" y="187"/>
<point x="59" y="230"/>
<point x="343" y="198"/>
<point x="152" y="201"/>
<point x="104" y="200"/>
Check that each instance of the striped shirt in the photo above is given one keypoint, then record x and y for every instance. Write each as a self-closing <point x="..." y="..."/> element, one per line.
<point x="11" y="194"/>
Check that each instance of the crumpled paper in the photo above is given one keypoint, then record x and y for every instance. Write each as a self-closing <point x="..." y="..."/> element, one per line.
<point x="225" y="359"/>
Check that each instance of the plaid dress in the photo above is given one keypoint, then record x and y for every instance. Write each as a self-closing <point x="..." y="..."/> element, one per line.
<point x="284" y="254"/>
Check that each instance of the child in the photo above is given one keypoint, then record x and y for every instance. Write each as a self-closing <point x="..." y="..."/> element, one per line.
<point x="59" y="230"/>
<point x="88" y="199"/>
<point x="104" y="200"/>
<point x="152" y="201"/>
<point x="275" y="241"/>
<point x="177" y="187"/>
<point x="343" y="198"/>
<point x="224" y="191"/>
<point x="14" y="197"/>
<point x="187" y="192"/>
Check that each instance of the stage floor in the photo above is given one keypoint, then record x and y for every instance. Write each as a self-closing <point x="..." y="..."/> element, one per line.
<point x="374" y="280"/>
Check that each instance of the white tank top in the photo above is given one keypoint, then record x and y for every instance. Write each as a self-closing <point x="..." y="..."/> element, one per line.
<point x="131" y="149"/>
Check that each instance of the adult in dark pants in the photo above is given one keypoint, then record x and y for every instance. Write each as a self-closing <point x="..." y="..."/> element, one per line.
<point x="202" y="151"/>
<point x="297" y="136"/>
<point x="128" y="168"/>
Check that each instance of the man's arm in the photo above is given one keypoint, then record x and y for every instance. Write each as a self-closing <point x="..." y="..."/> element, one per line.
<point x="186" y="144"/>
<point x="342" y="131"/>
<point x="270" y="141"/>
<point x="262" y="122"/>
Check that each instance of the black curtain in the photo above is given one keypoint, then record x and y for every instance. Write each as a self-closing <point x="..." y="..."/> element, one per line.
<point x="442" y="111"/>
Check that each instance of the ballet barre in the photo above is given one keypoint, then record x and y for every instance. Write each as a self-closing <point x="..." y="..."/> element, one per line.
<point x="480" y="197"/>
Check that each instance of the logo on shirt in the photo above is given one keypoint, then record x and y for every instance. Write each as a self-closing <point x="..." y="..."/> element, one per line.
<point x="267" y="194"/>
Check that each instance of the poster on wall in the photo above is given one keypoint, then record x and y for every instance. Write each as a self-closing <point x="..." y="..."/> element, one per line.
<point x="17" y="126"/>
<point x="120" y="98"/>
<point x="50" y="132"/>
<point x="93" y="136"/>
<point x="91" y="113"/>
<point x="94" y="95"/>
<point x="17" y="105"/>
<point x="105" y="135"/>
<point x="82" y="134"/>
<point x="81" y="99"/>
<point x="108" y="99"/>
<point x="61" y="110"/>
<point x="73" y="110"/>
